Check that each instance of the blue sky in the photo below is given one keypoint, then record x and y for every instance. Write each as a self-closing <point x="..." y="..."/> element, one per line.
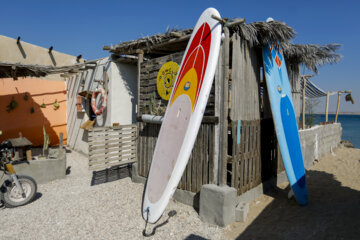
<point x="84" y="27"/>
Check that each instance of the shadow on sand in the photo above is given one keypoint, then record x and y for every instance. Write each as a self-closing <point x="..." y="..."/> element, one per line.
<point x="332" y="213"/>
<point x="110" y="174"/>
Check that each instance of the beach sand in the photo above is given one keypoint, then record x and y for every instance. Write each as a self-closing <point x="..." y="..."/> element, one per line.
<point x="74" y="208"/>
<point x="333" y="211"/>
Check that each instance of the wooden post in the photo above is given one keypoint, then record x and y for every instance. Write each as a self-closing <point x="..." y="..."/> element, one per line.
<point x="140" y="60"/>
<point x="338" y="105"/>
<point x="224" y="82"/>
<point x="327" y="106"/>
<point x="303" y="103"/>
<point x="138" y="124"/>
<point x="61" y="138"/>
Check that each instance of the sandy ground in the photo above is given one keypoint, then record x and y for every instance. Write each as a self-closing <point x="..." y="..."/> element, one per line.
<point x="73" y="208"/>
<point x="333" y="211"/>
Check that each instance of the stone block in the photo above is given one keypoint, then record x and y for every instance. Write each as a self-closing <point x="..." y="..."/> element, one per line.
<point x="135" y="176"/>
<point x="241" y="211"/>
<point x="217" y="204"/>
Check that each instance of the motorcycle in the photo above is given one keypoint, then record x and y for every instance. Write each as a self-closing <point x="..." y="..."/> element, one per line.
<point x="17" y="190"/>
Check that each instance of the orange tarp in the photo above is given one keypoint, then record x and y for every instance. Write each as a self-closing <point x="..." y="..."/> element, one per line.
<point x="21" y="119"/>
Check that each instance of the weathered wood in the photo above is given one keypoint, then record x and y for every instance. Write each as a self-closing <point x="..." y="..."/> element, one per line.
<point x="109" y="146"/>
<point x="197" y="172"/>
<point x="245" y="81"/>
<point x="303" y="103"/>
<point x="327" y="106"/>
<point x="221" y="108"/>
<point x="107" y="150"/>
<point x="337" y="107"/>
<point x="107" y="154"/>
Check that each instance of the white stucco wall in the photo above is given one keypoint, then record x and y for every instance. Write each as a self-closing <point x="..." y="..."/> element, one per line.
<point x="121" y="103"/>
<point x="123" y="94"/>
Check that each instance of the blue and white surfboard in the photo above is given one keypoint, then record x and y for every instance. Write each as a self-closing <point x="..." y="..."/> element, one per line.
<point x="286" y="128"/>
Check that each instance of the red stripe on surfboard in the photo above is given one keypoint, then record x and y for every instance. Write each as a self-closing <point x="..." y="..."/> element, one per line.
<point x="201" y="46"/>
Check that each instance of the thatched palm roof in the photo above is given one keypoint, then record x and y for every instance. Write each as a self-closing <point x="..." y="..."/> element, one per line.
<point x="311" y="55"/>
<point x="159" y="44"/>
<point x="15" y="70"/>
<point x="256" y="33"/>
<point x="262" y="33"/>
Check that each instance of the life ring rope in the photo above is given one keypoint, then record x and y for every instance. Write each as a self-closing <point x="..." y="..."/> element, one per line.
<point x="103" y="100"/>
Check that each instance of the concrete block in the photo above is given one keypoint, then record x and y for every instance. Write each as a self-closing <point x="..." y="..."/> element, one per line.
<point x="135" y="176"/>
<point x="217" y="204"/>
<point x="187" y="198"/>
<point x="42" y="170"/>
<point x="241" y="211"/>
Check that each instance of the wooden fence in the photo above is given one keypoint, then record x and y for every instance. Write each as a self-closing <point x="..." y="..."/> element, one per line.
<point x="199" y="170"/>
<point x="246" y="158"/>
<point x="112" y="146"/>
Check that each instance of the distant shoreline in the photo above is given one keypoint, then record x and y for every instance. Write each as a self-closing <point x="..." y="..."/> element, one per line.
<point x="343" y="113"/>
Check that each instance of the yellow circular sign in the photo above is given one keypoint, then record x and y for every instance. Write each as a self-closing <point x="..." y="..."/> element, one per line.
<point x="166" y="78"/>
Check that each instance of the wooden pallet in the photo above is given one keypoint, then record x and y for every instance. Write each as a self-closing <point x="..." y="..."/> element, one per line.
<point x="112" y="146"/>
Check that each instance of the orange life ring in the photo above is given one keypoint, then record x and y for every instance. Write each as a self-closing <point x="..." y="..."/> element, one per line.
<point x="103" y="99"/>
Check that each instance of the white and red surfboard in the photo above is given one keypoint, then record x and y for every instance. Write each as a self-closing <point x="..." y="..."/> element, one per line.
<point x="183" y="115"/>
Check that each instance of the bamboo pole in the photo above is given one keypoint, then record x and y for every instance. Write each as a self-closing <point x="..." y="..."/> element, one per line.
<point x="327" y="106"/>
<point x="338" y="105"/>
<point x="303" y="103"/>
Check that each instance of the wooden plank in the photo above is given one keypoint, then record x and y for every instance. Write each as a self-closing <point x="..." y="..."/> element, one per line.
<point x="120" y="137"/>
<point x="234" y="138"/>
<point x="205" y="164"/>
<point x="109" y="155"/>
<point x="138" y="149"/>
<point x="199" y="161"/>
<point x="118" y="149"/>
<point x="118" y="160"/>
<point x="93" y="149"/>
<point x="111" y="131"/>
<point x="188" y="174"/>
<point x="113" y="128"/>
<point x="107" y="141"/>
<point x="193" y="166"/>
<point x="245" y="81"/>
<point x="212" y="156"/>
<point x="109" y="135"/>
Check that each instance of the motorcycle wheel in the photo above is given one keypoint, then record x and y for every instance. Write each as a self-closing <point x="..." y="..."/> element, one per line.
<point x="11" y="195"/>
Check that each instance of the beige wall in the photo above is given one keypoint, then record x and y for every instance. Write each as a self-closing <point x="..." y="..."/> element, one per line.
<point x="121" y="103"/>
<point x="27" y="53"/>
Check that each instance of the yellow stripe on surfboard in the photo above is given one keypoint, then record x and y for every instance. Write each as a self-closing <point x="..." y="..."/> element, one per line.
<point x="188" y="86"/>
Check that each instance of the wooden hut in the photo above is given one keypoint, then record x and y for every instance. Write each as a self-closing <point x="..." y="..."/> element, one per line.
<point x="236" y="144"/>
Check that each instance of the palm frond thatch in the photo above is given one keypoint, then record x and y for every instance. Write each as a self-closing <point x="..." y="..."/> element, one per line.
<point x="146" y="43"/>
<point x="261" y="33"/>
<point x="311" y="55"/>
<point x="14" y="70"/>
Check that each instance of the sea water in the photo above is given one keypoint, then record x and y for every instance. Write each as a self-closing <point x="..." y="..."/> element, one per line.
<point x="349" y="123"/>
